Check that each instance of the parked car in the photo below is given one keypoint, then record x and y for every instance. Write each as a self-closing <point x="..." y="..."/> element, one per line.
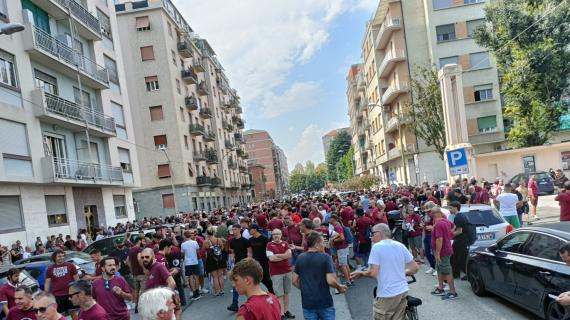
<point x="543" y="179"/>
<point x="106" y="245"/>
<point x="525" y="268"/>
<point x="25" y="278"/>
<point x="489" y="224"/>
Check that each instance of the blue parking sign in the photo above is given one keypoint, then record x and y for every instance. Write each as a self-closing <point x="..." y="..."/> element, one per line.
<point x="457" y="161"/>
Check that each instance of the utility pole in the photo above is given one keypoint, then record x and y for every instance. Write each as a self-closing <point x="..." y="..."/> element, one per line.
<point x="171" y="180"/>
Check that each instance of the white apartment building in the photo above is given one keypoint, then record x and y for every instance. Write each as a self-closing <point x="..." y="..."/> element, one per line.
<point x="67" y="156"/>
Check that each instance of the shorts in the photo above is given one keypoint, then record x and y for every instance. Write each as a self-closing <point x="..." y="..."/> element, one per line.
<point x="364" y="248"/>
<point x="342" y="255"/>
<point x="533" y="200"/>
<point x="390" y="308"/>
<point x="192" y="270"/>
<point x="282" y="283"/>
<point x="513" y="221"/>
<point x="415" y="242"/>
<point x="444" y="267"/>
<point x="64" y="304"/>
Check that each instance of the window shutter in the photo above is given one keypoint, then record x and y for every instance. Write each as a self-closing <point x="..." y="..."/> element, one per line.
<point x="168" y="200"/>
<point x="143" y="22"/>
<point x="156" y="113"/>
<point x="147" y="53"/>
<point x="118" y="114"/>
<point x="10" y="213"/>
<point x="487" y="122"/>
<point x="119" y="200"/>
<point x="151" y="79"/>
<point x="55" y="205"/>
<point x="160" y="140"/>
<point x="163" y="171"/>
<point x="14" y="138"/>
<point x="124" y="156"/>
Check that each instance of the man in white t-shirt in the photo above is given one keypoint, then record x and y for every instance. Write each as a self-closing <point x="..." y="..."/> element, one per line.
<point x="189" y="249"/>
<point x="507" y="202"/>
<point x="389" y="263"/>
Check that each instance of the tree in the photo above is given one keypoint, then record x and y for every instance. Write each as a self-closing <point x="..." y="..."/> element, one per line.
<point x="298" y="169"/>
<point x="426" y="108"/>
<point x="308" y="178"/>
<point x="529" y="40"/>
<point x="344" y="166"/>
<point x="339" y="146"/>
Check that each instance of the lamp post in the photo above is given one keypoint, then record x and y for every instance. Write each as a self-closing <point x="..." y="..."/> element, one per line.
<point x="11" y="28"/>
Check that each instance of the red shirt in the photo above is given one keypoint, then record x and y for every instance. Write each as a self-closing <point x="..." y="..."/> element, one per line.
<point x="278" y="267"/>
<point x="262" y="307"/>
<point x="16" y="314"/>
<point x="296" y="217"/>
<point x="157" y="276"/>
<point x="564" y="202"/>
<point x="315" y="214"/>
<point x="346" y="215"/>
<point x="379" y="217"/>
<point x="339" y="244"/>
<point x="136" y="268"/>
<point x="113" y="303"/>
<point x="362" y="223"/>
<point x="61" y="276"/>
<point x="7" y="292"/>
<point x="442" y="229"/>
<point x="390" y="206"/>
<point x="160" y="258"/>
<point x="261" y="221"/>
<point x="275" y="223"/>
<point x="96" y="312"/>
<point x="293" y="234"/>
<point x="415" y="220"/>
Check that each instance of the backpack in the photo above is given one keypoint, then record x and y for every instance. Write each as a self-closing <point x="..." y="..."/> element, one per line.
<point x="347" y="235"/>
<point x="471" y="233"/>
<point x="368" y="233"/>
<point x="216" y="252"/>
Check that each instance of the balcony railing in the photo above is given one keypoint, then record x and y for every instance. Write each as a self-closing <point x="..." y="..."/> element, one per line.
<point x="239" y="110"/>
<point x="209" y="136"/>
<point x="240" y="123"/>
<point x="211" y="156"/>
<point x="205" y="113"/>
<point x="229" y="144"/>
<point x="198" y="66"/>
<point x="196" y="129"/>
<point x="68" y="169"/>
<point x="391" y="57"/>
<point x="215" y="181"/>
<point x="81" y="14"/>
<point x="242" y="168"/>
<point x="199" y="156"/>
<point x="185" y="48"/>
<point x="203" y="180"/>
<point x="393" y="91"/>
<point x="382" y="36"/>
<point x="202" y="89"/>
<point x="191" y="103"/>
<point x="189" y="76"/>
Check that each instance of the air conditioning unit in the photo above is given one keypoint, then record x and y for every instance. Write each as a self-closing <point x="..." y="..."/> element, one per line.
<point x="161" y="147"/>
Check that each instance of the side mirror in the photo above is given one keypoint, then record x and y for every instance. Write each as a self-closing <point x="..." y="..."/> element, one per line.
<point x="492" y="248"/>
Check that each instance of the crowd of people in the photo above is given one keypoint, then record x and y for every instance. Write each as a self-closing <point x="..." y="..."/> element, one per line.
<point x="313" y="243"/>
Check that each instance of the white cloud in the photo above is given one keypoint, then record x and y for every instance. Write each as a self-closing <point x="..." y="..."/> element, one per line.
<point x="301" y="95"/>
<point x="309" y="147"/>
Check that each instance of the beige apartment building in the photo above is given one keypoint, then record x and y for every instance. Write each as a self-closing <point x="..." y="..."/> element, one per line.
<point x="187" y="118"/>
<point x="358" y="115"/>
<point x="402" y="36"/>
<point x="68" y="160"/>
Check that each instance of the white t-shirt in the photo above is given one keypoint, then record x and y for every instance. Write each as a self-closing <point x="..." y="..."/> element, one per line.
<point x="190" y="249"/>
<point x="508" y="204"/>
<point x="391" y="257"/>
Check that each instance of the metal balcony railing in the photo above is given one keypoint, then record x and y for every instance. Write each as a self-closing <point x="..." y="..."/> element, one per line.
<point x="80" y="170"/>
<point x="201" y="180"/>
<point x="82" y="14"/>
<point x="191" y="103"/>
<point x="199" y="156"/>
<point x="72" y="110"/>
<point x="197" y="129"/>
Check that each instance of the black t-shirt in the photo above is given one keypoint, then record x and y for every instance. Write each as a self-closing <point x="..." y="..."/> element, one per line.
<point x="461" y="221"/>
<point x="259" y="248"/>
<point x="173" y="260"/>
<point x="239" y="246"/>
<point x="122" y="255"/>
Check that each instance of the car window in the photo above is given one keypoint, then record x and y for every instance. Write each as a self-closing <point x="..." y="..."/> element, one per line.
<point x="514" y="242"/>
<point x="543" y="176"/>
<point x="485" y="218"/>
<point x="544" y="246"/>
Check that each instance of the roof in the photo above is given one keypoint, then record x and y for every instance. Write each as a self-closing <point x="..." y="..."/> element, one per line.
<point x="254" y="131"/>
<point x="561" y="229"/>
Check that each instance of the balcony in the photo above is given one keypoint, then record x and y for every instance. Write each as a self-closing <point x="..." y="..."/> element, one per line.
<point x="232" y="164"/>
<point x="202" y="89"/>
<point x="390" y="59"/>
<point x="52" y="52"/>
<point x="242" y="168"/>
<point x="196" y="129"/>
<point x="393" y="91"/>
<point x="395" y="152"/>
<point x="245" y="184"/>
<point x="392" y="124"/>
<point x="191" y="103"/>
<point x="239" y="110"/>
<point x="205" y="113"/>
<point x="185" y="49"/>
<point x="188" y="76"/>
<point x="209" y="136"/>
<point x="226" y="125"/>
<point x="235" y="185"/>
<point x="198" y="66"/>
<point x="88" y="25"/>
<point x="211" y="157"/>
<point x="240" y="123"/>
<point x="238" y="137"/>
<point x="67" y="114"/>
<point x="64" y="170"/>
<point x="229" y="144"/>
<point x="203" y="180"/>
<point x="235" y="118"/>
<point x="390" y="25"/>
<point x="215" y="181"/>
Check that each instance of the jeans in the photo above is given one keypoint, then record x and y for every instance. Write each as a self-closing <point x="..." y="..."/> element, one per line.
<point x="428" y="252"/>
<point x="235" y="296"/>
<point x="319" y="314"/>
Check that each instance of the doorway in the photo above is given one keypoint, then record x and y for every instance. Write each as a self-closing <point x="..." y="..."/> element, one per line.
<point x="91" y="220"/>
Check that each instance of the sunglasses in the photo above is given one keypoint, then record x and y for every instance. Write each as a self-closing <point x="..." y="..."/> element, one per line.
<point x="146" y="257"/>
<point x="42" y="309"/>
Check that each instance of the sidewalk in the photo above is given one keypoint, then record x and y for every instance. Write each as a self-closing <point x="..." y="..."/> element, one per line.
<point x="548" y="210"/>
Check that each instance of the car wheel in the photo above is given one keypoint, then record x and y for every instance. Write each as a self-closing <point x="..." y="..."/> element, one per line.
<point x="476" y="280"/>
<point x="557" y="312"/>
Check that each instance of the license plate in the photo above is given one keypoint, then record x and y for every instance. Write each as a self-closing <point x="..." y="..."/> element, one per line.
<point x="486" y="236"/>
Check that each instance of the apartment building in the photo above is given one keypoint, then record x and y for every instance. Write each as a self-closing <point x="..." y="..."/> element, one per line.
<point x="329" y="136"/>
<point x="263" y="151"/>
<point x="187" y="117"/>
<point x="66" y="132"/>
<point x="358" y="115"/>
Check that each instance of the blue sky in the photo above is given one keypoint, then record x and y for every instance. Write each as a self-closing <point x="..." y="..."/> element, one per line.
<point x="288" y="60"/>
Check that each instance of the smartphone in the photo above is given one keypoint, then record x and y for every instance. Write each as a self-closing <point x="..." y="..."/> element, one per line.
<point x="551" y="296"/>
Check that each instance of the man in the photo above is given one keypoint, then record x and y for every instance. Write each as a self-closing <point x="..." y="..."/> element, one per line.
<point x="441" y="244"/>
<point x="134" y="261"/>
<point x="279" y="253"/>
<point x="456" y="195"/>
<point x="258" y="245"/>
<point x="58" y="277"/>
<point x="563" y="199"/>
<point x="239" y="250"/>
<point x="246" y="276"/>
<point x="275" y="222"/>
<point x="314" y="274"/>
<point x="363" y="224"/>
<point x="80" y="296"/>
<point x="389" y="263"/>
<point x="507" y="202"/>
<point x="158" y="274"/>
<point x="121" y="252"/>
<point x="292" y="234"/>
<point x="45" y="307"/>
<point x="112" y="291"/>
<point x="190" y="250"/>
<point x="560" y="180"/>
<point x="339" y="243"/>
<point x="23" y="308"/>
<point x="460" y="241"/>
<point x="157" y="304"/>
<point x="96" y="258"/>
<point x="8" y="290"/>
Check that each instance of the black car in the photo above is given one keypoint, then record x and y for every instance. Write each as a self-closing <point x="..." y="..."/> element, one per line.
<point x="525" y="268"/>
<point x="107" y="245"/>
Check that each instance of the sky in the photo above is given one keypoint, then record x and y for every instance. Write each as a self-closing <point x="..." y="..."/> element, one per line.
<point x="288" y="60"/>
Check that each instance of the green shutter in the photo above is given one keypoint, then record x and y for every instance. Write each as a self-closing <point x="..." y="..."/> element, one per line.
<point x="41" y="18"/>
<point x="487" y="122"/>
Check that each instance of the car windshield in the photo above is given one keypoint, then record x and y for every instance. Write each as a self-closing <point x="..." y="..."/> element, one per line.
<point x="486" y="217"/>
<point x="542" y="176"/>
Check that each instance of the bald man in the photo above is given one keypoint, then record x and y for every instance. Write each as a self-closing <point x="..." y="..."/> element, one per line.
<point x="158" y="274"/>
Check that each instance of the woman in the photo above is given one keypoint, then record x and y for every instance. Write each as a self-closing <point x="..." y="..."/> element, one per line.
<point x="427" y="225"/>
<point x="215" y="260"/>
<point x="533" y="196"/>
<point x="523" y="190"/>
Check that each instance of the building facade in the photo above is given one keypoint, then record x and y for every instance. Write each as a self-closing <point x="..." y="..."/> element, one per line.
<point x="66" y="132"/>
<point x="328" y="138"/>
<point x="358" y="114"/>
<point x="187" y="117"/>
<point x="258" y="178"/>
<point x="263" y="151"/>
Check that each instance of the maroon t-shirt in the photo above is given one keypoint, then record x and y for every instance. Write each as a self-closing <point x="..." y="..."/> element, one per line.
<point x="157" y="276"/>
<point x="261" y="221"/>
<point x="415" y="220"/>
<point x="7" y="292"/>
<point x="278" y="267"/>
<point x="346" y="215"/>
<point x="113" y="303"/>
<point x="96" y="312"/>
<point x="136" y="268"/>
<point x="275" y="224"/>
<point x="363" y="223"/>
<point x="263" y="307"/>
<point x="293" y="234"/>
<point x="442" y="229"/>
<point x="564" y="202"/>
<point x="61" y="276"/>
<point x="339" y="244"/>
<point x="315" y="214"/>
<point x="16" y="314"/>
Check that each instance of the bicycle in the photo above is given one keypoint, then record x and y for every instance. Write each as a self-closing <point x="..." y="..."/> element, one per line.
<point x="412" y="303"/>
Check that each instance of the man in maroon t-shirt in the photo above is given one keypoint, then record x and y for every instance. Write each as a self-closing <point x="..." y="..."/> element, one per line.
<point x="275" y="222"/>
<point x="8" y="290"/>
<point x="80" y="296"/>
<point x="158" y="274"/>
<point x="279" y="253"/>
<point x="346" y="214"/>
<point x="134" y="262"/>
<point x="58" y="277"/>
<point x="563" y="199"/>
<point x="112" y="291"/>
<point x="441" y="235"/>
<point x="46" y="307"/>
<point x="23" y="308"/>
<point x="339" y="243"/>
<point x="364" y="226"/>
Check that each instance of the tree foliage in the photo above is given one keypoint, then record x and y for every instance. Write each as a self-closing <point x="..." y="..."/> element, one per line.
<point x="308" y="178"/>
<point x="338" y="148"/>
<point x="360" y="183"/>
<point x="344" y="166"/>
<point x="530" y="42"/>
<point x="426" y="108"/>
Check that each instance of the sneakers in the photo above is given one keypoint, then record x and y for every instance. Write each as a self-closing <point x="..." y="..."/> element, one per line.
<point x="434" y="273"/>
<point x="196" y="296"/>
<point x="430" y="270"/>
<point x="438" y="292"/>
<point x="233" y="307"/>
<point x="449" y="296"/>
<point x="288" y="315"/>
<point x="204" y="291"/>
<point x="358" y="268"/>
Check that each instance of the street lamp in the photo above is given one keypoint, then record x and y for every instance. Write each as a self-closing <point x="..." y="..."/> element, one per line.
<point x="10" y="28"/>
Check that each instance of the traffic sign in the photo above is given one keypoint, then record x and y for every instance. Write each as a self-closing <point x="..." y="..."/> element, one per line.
<point x="457" y="161"/>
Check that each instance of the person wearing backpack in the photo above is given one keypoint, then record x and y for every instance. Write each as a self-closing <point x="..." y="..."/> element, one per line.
<point x="363" y="224"/>
<point x="462" y="239"/>
<point x="215" y="262"/>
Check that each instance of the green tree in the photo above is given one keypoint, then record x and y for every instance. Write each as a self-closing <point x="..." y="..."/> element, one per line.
<point x="426" y="108"/>
<point x="530" y="42"/>
<point x="308" y="178"/>
<point x="339" y="146"/>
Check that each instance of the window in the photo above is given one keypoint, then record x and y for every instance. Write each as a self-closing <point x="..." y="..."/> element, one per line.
<point x="514" y="242"/>
<point x="445" y="32"/>
<point x="7" y="69"/>
<point x="186" y="144"/>
<point x="125" y="160"/>
<point x="36" y="15"/>
<point x="472" y="1"/>
<point x="182" y="114"/>
<point x="120" y="208"/>
<point x="156" y="113"/>
<point x="3" y="11"/>
<point x="168" y="200"/>
<point x="472" y="25"/>
<point x="441" y="4"/>
<point x="151" y="83"/>
<point x="14" y="149"/>
<point x="544" y="246"/>
<point x="119" y="116"/>
<point x="448" y="60"/>
<point x="169" y="29"/>
<point x="190" y="173"/>
<point x="483" y="93"/>
<point x="82" y="98"/>
<point x="160" y="141"/>
<point x="173" y="57"/>
<point x="56" y="210"/>
<point x="105" y="25"/>
<point x="142" y="23"/>
<point x="147" y="53"/>
<point x="479" y="60"/>
<point x="10" y="214"/>
<point x="178" y="86"/>
<point x="487" y="124"/>
<point x="45" y="82"/>
<point x="163" y="171"/>
<point x="111" y="66"/>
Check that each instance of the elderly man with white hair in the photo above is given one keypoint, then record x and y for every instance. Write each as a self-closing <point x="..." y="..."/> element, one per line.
<point x="157" y="304"/>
